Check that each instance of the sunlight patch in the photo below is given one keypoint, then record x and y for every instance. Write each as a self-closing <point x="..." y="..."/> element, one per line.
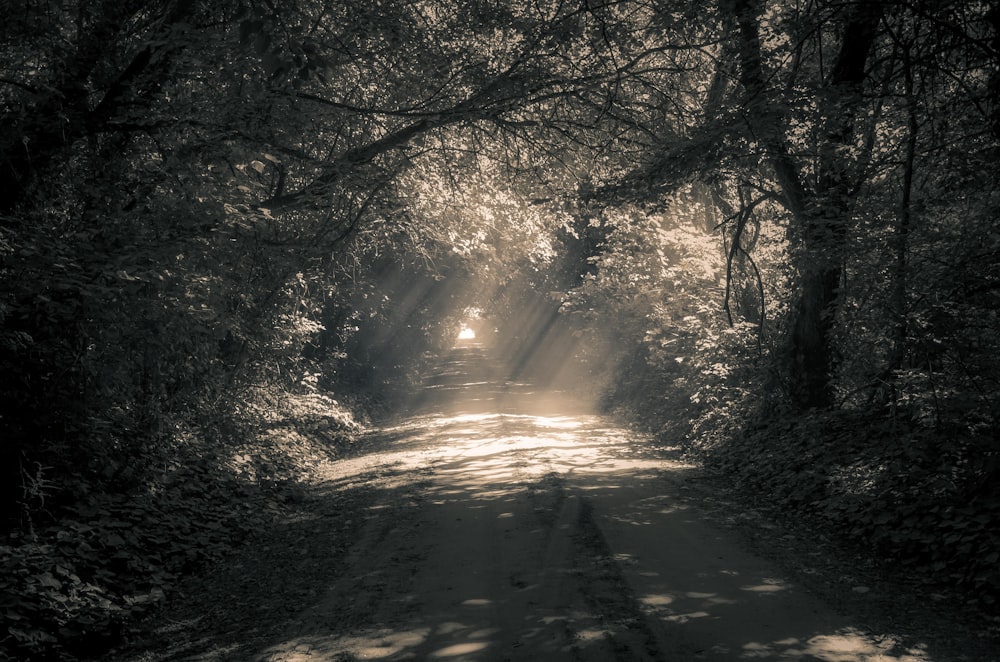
<point x="848" y="645"/>
<point x="656" y="600"/>
<point x="460" y="649"/>
<point x="766" y="586"/>
<point x="373" y="645"/>
<point x="685" y="618"/>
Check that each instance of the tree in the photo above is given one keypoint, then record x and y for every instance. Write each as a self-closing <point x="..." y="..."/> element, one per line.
<point x="824" y="213"/>
<point x="183" y="221"/>
<point x="798" y="105"/>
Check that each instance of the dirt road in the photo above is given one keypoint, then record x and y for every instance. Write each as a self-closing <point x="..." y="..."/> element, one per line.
<point x="513" y="525"/>
<point x="531" y="530"/>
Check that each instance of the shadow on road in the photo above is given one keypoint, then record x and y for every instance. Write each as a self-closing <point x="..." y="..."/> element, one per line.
<point x="505" y="523"/>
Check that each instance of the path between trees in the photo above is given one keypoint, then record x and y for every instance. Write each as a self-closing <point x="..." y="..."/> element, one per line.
<point x="504" y="523"/>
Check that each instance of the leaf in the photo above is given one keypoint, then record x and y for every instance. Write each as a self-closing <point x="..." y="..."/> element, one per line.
<point x="46" y="579"/>
<point x="261" y="42"/>
<point x="272" y="64"/>
<point x="248" y="29"/>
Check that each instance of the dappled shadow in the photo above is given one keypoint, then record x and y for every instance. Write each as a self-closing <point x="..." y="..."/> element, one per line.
<point x="702" y="596"/>
<point x="706" y="598"/>
<point x="502" y="523"/>
<point x="266" y="584"/>
<point x="501" y="570"/>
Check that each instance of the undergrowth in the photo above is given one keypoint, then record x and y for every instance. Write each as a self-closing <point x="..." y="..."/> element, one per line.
<point x="72" y="581"/>
<point x="921" y="500"/>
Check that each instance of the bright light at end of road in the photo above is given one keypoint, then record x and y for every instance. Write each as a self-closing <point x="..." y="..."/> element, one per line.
<point x="466" y="333"/>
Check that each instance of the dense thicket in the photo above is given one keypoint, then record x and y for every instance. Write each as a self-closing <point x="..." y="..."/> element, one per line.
<point x="841" y="153"/>
<point x="219" y="218"/>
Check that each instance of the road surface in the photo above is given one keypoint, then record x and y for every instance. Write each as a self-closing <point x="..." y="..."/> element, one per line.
<point x="526" y="528"/>
<point x="501" y="522"/>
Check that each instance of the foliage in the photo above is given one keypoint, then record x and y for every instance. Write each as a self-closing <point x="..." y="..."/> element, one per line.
<point x="72" y="586"/>
<point x="671" y="357"/>
<point x="922" y="502"/>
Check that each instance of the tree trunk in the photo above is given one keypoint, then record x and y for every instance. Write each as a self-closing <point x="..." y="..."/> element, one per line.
<point x="810" y="346"/>
<point x="825" y="226"/>
<point x="822" y="214"/>
<point x="900" y="286"/>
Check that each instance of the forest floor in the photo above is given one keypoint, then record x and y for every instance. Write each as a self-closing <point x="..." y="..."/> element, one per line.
<point x="498" y="522"/>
